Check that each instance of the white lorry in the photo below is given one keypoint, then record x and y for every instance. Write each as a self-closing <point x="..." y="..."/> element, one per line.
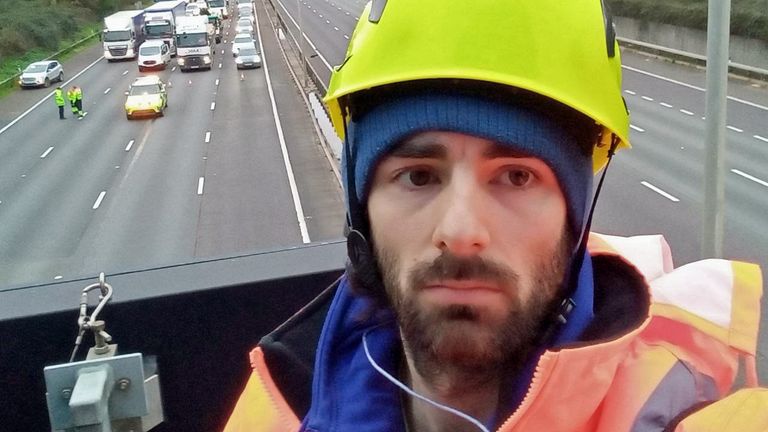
<point x="122" y="34"/>
<point x="218" y="8"/>
<point x="160" y="21"/>
<point x="194" y="42"/>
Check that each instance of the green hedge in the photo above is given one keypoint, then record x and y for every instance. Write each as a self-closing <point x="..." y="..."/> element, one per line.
<point x="749" y="18"/>
<point x="28" y="25"/>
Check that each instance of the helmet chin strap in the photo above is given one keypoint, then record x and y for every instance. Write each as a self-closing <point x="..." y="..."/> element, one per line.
<point x="561" y="313"/>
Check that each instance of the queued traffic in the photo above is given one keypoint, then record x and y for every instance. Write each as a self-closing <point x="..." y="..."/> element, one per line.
<point x="189" y="30"/>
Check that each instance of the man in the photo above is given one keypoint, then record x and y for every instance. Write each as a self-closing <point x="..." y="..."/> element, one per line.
<point x="79" y="102"/>
<point x="75" y="96"/>
<point x="471" y="301"/>
<point x="58" y="97"/>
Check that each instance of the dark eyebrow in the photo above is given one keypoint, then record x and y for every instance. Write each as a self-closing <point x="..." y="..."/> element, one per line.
<point x="416" y="149"/>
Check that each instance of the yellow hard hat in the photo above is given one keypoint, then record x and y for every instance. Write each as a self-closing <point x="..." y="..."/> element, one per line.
<point x="563" y="50"/>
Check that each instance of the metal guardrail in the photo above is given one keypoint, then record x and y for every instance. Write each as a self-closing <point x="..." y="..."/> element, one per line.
<point x="698" y="59"/>
<point x="10" y="82"/>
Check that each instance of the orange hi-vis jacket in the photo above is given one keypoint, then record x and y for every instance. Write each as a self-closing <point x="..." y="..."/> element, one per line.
<point x="674" y="371"/>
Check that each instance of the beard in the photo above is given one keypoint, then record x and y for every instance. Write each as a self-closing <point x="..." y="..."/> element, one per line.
<point x="463" y="341"/>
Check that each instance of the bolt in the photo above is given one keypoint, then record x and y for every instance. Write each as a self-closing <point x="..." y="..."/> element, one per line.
<point x="66" y="393"/>
<point x="123" y="383"/>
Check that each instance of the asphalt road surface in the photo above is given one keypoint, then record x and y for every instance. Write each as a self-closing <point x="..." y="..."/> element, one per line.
<point x="209" y="179"/>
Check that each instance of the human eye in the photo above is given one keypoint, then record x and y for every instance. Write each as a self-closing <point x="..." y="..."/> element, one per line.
<point x="516" y="176"/>
<point x="418" y="177"/>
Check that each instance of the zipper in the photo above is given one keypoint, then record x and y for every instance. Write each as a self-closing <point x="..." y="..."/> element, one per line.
<point x="534" y="389"/>
<point x="259" y="368"/>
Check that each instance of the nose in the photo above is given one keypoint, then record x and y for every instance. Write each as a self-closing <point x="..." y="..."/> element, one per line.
<point x="461" y="220"/>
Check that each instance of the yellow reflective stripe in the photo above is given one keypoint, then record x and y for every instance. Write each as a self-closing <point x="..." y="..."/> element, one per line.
<point x="683" y="316"/>
<point x="744" y="411"/>
<point x="745" y="310"/>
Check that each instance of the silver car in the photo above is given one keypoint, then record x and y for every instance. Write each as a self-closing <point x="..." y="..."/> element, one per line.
<point x="244" y="25"/>
<point x="41" y="73"/>
<point x="248" y="58"/>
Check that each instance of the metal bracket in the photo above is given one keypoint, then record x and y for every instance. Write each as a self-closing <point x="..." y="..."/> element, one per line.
<point x="107" y="394"/>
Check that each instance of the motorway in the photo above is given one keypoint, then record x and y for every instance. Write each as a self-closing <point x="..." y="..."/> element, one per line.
<point x="210" y="179"/>
<point x="152" y="215"/>
<point x="657" y="186"/>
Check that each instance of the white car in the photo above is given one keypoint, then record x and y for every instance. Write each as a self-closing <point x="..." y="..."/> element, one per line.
<point x="242" y="40"/>
<point x="244" y="25"/>
<point x="41" y="73"/>
<point x="154" y="54"/>
<point x="245" y="11"/>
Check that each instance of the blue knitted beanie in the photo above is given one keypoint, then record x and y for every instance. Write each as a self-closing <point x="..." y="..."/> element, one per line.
<point x="378" y="130"/>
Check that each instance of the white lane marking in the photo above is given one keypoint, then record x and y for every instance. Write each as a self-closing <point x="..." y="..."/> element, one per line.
<point x="346" y="37"/>
<point x="686" y="112"/>
<point x="659" y="191"/>
<point x="747" y="176"/>
<point x="735" y="129"/>
<point x="664" y="104"/>
<point x="219" y="65"/>
<point x="735" y="99"/>
<point x="128" y="147"/>
<point x="57" y="277"/>
<point x="125" y="73"/>
<point x="286" y="158"/>
<point x="40" y="102"/>
<point x="99" y="199"/>
<point x="347" y="13"/>
<point x="213" y="104"/>
<point x="217" y="82"/>
<point x="327" y="22"/>
<point x="42" y="156"/>
<point x="200" y="183"/>
<point x="336" y="28"/>
<point x="208" y="137"/>
<point x="630" y="92"/>
<point x="321" y="15"/>
<point x="650" y="99"/>
<point x="173" y="68"/>
<point x="761" y="138"/>
<point x="107" y="90"/>
<point x="639" y="129"/>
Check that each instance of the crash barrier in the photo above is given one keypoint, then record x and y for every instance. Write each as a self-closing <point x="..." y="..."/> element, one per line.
<point x="13" y="81"/>
<point x="197" y="321"/>
<point x="692" y="58"/>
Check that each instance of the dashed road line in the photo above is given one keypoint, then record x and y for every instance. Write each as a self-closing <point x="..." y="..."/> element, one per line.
<point x="336" y="28"/>
<point x="217" y="82"/>
<point x="128" y="147"/>
<point x="42" y="156"/>
<point x="659" y="191"/>
<point x="99" y="199"/>
<point x="200" y="183"/>
<point x="749" y="177"/>
<point x="686" y="112"/>
<point x="735" y="129"/>
<point x="173" y="68"/>
<point x="125" y="73"/>
<point x="207" y="137"/>
<point x="735" y="99"/>
<point x="107" y="90"/>
<point x="213" y="106"/>
<point x="630" y="92"/>
<point x="761" y="138"/>
<point x="639" y="129"/>
<point x="664" y="104"/>
<point x="650" y="99"/>
<point x="346" y="37"/>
